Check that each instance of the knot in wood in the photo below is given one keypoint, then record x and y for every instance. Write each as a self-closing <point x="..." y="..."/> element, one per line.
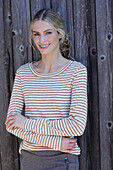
<point x="9" y="18"/>
<point x="93" y="51"/>
<point x="102" y="57"/>
<point x="21" y="48"/>
<point x="109" y="37"/>
<point x="14" y="32"/>
<point x="109" y="124"/>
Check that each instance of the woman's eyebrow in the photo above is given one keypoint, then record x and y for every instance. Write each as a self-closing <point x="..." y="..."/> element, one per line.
<point x="44" y="31"/>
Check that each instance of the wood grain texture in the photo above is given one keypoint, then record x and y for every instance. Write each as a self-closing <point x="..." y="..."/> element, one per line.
<point x="9" y="146"/>
<point x="93" y="135"/>
<point x="80" y="30"/>
<point x="90" y="24"/>
<point x="1" y="75"/>
<point x="65" y="10"/>
<point x="20" y="33"/>
<point x="105" y="79"/>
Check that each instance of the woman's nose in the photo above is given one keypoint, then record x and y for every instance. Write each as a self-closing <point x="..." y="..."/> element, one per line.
<point x="42" y="38"/>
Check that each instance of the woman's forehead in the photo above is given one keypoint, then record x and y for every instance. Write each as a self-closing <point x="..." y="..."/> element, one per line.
<point x="41" y="25"/>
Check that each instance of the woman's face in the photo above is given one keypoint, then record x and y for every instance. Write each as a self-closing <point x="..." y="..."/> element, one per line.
<point x="45" y="37"/>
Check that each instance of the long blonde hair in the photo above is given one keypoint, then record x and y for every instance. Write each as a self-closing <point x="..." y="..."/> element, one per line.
<point x="53" y="18"/>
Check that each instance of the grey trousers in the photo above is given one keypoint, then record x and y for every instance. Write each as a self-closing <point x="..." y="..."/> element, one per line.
<point x="48" y="160"/>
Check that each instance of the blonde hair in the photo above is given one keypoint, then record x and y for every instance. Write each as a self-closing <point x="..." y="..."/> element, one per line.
<point x="53" y="18"/>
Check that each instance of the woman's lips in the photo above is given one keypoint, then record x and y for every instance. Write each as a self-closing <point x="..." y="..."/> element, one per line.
<point x="44" y="46"/>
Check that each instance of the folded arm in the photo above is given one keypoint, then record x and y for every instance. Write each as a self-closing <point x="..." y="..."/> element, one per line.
<point x="41" y="140"/>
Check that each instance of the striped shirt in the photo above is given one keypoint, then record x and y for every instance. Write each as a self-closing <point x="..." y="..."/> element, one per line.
<point x="55" y="105"/>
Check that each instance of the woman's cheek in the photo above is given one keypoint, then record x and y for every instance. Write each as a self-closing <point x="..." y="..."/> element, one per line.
<point x="52" y="38"/>
<point x="35" y="40"/>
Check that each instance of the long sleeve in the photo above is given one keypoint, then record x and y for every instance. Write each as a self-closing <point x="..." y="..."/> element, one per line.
<point x="74" y="124"/>
<point x="43" y="140"/>
<point x="16" y="105"/>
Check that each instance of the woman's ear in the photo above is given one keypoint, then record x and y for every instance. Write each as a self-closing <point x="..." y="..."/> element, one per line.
<point x="60" y="36"/>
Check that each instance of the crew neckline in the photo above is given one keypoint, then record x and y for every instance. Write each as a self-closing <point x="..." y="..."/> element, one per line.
<point x="48" y="74"/>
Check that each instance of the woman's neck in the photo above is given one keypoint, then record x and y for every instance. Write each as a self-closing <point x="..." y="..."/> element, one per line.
<point x="50" y="63"/>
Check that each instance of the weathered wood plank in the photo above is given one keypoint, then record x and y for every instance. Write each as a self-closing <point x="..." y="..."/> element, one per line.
<point x="8" y="150"/>
<point x="63" y="9"/>
<point x="80" y="31"/>
<point x="20" y="31"/>
<point x="81" y="43"/>
<point x="28" y="57"/>
<point x="93" y="135"/>
<point x="2" y="83"/>
<point x="104" y="16"/>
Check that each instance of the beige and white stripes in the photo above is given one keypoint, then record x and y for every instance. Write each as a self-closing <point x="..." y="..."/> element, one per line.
<point x="55" y="105"/>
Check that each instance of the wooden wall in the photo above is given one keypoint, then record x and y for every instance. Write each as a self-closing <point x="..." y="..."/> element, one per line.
<point x="90" y="23"/>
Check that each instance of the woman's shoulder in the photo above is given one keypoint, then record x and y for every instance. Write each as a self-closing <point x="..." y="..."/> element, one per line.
<point x="78" y="64"/>
<point x="23" y="67"/>
<point x="79" y="69"/>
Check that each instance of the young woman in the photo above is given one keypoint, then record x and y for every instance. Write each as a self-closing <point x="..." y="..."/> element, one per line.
<point x="54" y="91"/>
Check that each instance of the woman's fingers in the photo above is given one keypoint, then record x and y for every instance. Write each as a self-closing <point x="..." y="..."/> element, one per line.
<point x="12" y="115"/>
<point x="70" y="147"/>
<point x="72" y="140"/>
<point x="68" y="144"/>
<point x="9" y="118"/>
<point x="10" y="124"/>
<point x="18" y="120"/>
<point x="71" y="144"/>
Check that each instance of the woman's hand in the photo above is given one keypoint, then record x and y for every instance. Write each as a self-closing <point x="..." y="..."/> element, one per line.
<point x="15" y="120"/>
<point x="68" y="144"/>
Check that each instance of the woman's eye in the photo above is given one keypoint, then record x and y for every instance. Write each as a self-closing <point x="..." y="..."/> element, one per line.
<point x="36" y="34"/>
<point x="48" y="32"/>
